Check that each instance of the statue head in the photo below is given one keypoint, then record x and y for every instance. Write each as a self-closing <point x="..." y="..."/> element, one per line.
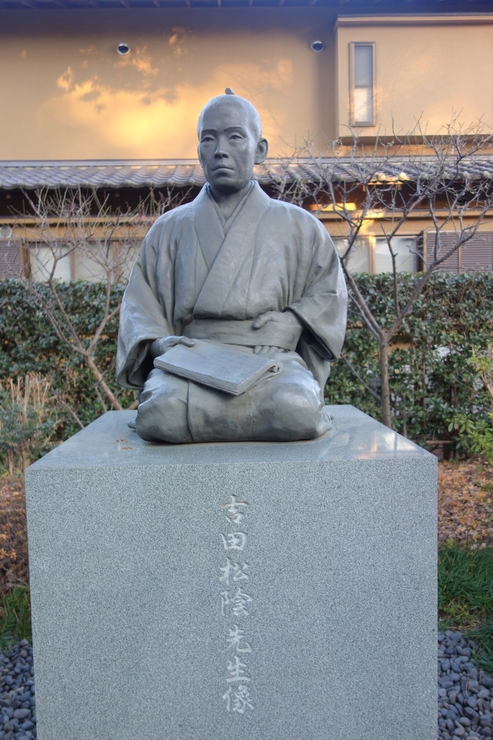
<point x="230" y="142"/>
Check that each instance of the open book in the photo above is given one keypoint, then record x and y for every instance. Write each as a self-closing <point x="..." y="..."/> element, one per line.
<point x="219" y="367"/>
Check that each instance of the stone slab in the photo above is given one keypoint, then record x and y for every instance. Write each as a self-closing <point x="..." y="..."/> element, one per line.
<point x="134" y="630"/>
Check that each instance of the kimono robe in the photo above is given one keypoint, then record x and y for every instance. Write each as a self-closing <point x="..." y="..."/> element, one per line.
<point x="200" y="277"/>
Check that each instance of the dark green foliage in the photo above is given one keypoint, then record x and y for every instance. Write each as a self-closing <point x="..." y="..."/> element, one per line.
<point x="28" y="343"/>
<point x="23" y="430"/>
<point x="476" y="432"/>
<point x="430" y="378"/>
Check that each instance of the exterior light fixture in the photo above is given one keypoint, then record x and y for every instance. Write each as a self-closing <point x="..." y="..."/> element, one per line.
<point x="317" y="46"/>
<point x="123" y="49"/>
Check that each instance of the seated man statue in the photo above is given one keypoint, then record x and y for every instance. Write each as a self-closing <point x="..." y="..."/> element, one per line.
<point x="233" y="267"/>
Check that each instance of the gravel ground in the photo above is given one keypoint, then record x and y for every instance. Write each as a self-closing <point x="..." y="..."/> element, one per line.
<point x="465" y="694"/>
<point x="17" y="700"/>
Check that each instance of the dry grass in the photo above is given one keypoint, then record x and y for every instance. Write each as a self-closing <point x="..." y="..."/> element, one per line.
<point x="27" y="420"/>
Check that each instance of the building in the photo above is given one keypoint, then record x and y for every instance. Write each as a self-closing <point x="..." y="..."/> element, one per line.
<point x="104" y="95"/>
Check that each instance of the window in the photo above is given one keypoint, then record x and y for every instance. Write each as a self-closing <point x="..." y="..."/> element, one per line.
<point x="362" y="83"/>
<point x="371" y="254"/>
<point x="473" y="256"/>
<point x="404" y="247"/>
<point x="95" y="262"/>
<point x="42" y="261"/>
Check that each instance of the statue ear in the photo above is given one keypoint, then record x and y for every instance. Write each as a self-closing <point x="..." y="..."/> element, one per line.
<point x="261" y="151"/>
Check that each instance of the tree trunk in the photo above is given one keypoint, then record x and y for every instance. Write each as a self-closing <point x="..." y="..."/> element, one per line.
<point x="384" y="377"/>
<point x="106" y="389"/>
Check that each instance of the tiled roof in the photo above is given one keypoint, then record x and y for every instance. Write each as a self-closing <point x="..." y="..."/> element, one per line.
<point x="116" y="174"/>
<point x="371" y="169"/>
<point x="100" y="174"/>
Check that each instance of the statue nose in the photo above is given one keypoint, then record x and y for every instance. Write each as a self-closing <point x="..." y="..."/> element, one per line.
<point x="221" y="149"/>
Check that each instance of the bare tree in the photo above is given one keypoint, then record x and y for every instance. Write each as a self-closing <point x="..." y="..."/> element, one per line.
<point x="441" y="179"/>
<point x="72" y="228"/>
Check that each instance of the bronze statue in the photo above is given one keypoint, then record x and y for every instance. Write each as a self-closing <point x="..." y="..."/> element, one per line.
<point x="235" y="268"/>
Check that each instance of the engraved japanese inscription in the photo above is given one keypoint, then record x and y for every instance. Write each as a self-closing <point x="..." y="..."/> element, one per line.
<point x="235" y="604"/>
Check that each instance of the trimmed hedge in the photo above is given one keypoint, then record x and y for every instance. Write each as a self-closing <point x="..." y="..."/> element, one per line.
<point x="28" y="343"/>
<point x="429" y="377"/>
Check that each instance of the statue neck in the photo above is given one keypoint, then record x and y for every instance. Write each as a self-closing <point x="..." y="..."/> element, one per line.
<point x="228" y="202"/>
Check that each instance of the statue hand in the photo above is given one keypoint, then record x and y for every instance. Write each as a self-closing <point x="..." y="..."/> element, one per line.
<point x="280" y="317"/>
<point x="160" y="346"/>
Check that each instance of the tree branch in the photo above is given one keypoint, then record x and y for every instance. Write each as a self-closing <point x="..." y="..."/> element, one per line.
<point x="376" y="395"/>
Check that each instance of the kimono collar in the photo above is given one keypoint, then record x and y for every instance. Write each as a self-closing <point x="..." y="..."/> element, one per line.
<point x="226" y="223"/>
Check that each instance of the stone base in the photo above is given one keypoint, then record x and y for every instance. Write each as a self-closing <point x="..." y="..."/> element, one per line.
<point x="252" y="591"/>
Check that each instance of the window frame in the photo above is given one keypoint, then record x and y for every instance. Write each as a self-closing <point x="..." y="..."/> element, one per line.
<point x="370" y="241"/>
<point x="352" y="87"/>
<point x="118" y="271"/>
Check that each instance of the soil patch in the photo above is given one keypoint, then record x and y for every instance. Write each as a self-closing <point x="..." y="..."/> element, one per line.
<point x="465" y="502"/>
<point x="13" y="537"/>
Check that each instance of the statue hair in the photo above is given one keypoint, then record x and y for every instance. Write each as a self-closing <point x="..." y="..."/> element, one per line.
<point x="229" y="97"/>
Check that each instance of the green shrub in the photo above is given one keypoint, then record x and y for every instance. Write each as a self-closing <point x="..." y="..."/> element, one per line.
<point x="28" y="343"/>
<point x="430" y="378"/>
<point x="27" y="420"/>
<point x="476" y="431"/>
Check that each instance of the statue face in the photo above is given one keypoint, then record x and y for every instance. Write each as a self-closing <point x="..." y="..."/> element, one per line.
<point x="229" y="146"/>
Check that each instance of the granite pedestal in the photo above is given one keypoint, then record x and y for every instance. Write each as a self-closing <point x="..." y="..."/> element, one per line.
<point x="251" y="591"/>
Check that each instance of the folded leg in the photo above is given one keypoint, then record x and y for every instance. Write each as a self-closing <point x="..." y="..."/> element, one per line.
<point x="163" y="409"/>
<point x="285" y="407"/>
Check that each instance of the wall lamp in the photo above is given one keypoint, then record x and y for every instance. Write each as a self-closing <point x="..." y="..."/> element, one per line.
<point x="123" y="49"/>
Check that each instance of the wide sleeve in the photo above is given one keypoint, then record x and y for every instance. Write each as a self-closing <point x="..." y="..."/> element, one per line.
<point x="322" y="309"/>
<point x="144" y="314"/>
